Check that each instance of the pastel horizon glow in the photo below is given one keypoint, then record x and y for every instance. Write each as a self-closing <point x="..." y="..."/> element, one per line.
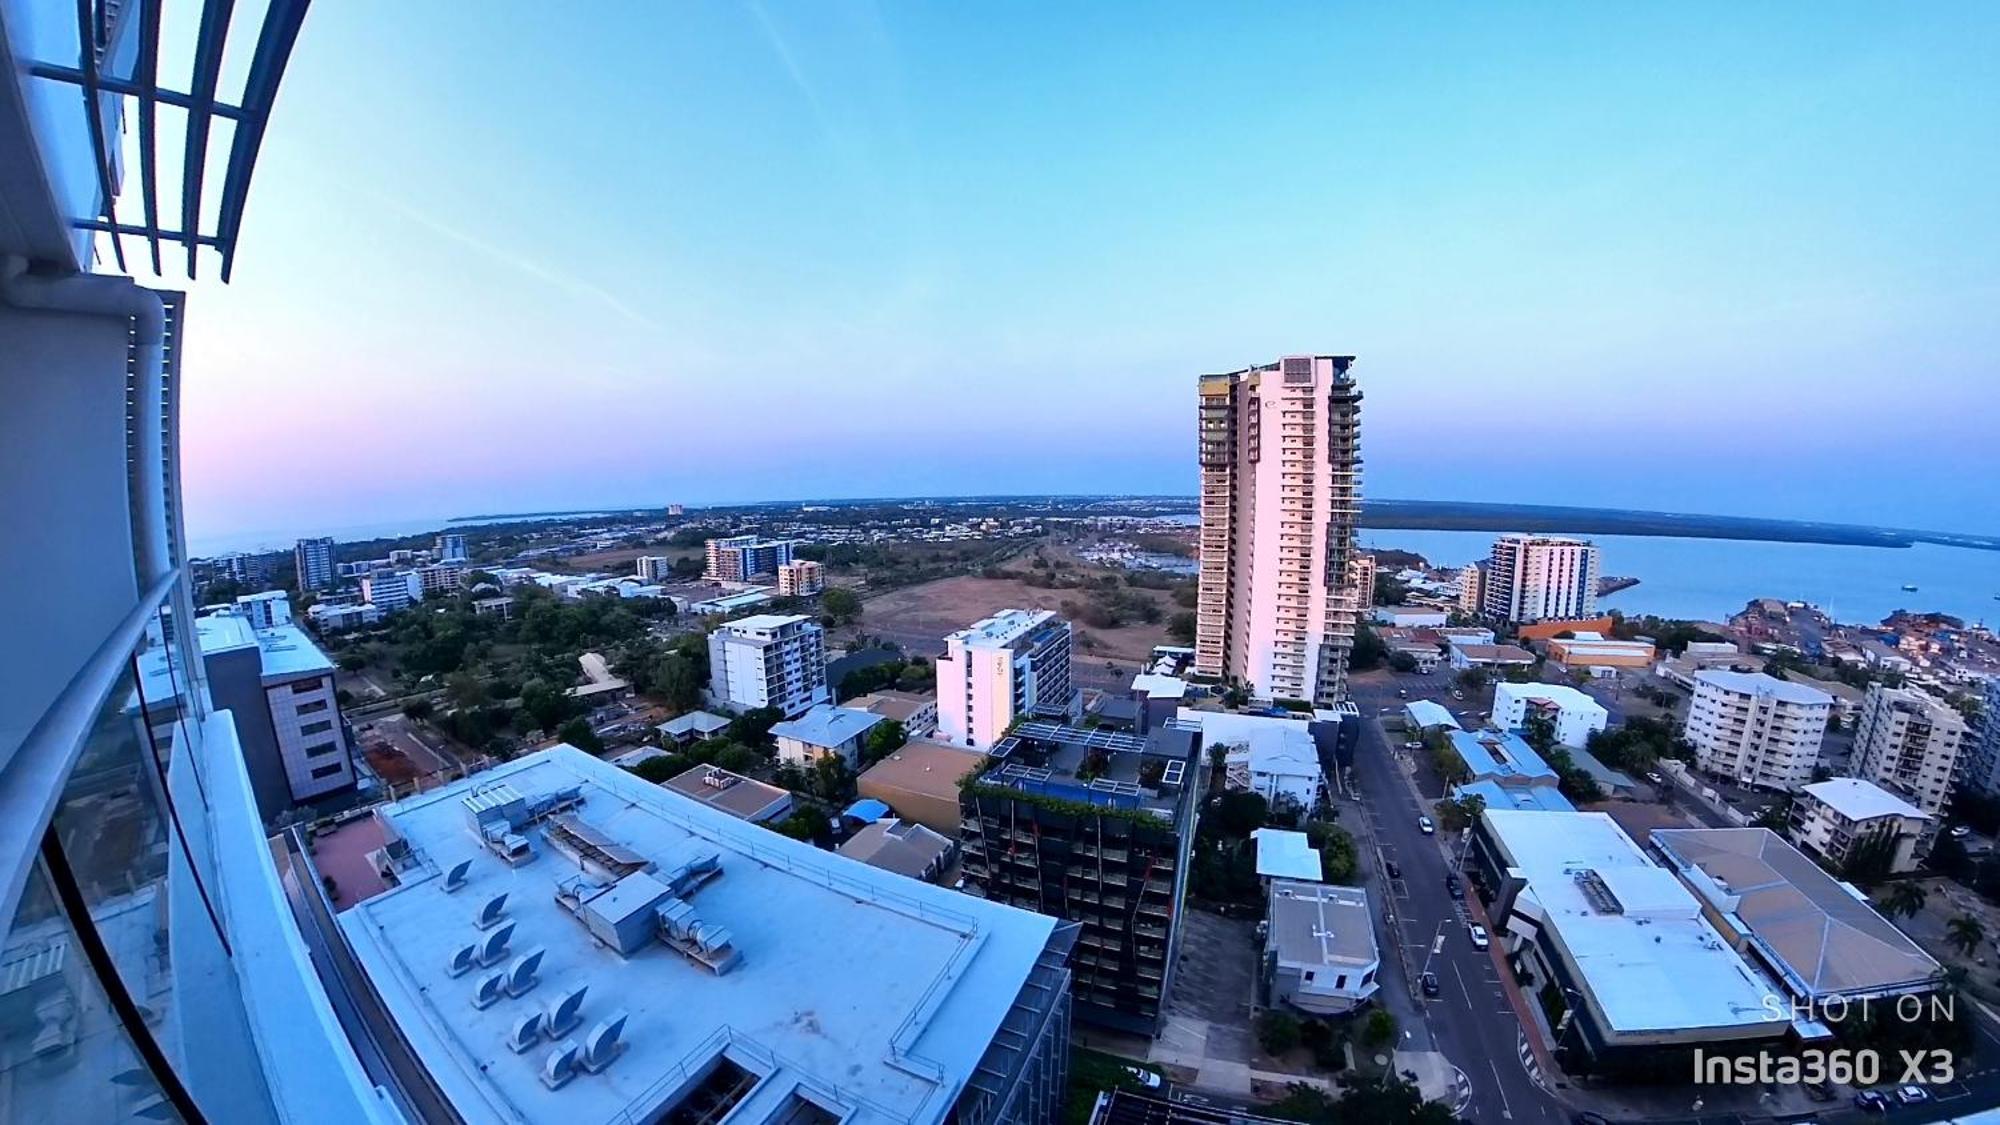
<point x="1708" y="259"/>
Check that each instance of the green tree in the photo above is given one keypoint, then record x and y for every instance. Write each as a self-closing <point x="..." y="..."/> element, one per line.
<point x="546" y="705"/>
<point x="577" y="733"/>
<point x="1277" y="1032"/>
<point x="805" y="823"/>
<point x="465" y="689"/>
<point x="677" y="683"/>
<point x="1368" y="651"/>
<point x="753" y="727"/>
<point x="418" y="709"/>
<point x="1539" y="732"/>
<point x="1459" y="813"/>
<point x="1380" y="1029"/>
<point x="1235" y="814"/>
<point x="1181" y="627"/>
<point x="840" y="604"/>
<point x="1905" y="900"/>
<point x="1965" y="933"/>
<point x="883" y="739"/>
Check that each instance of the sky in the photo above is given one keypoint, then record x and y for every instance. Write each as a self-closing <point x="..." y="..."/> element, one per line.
<point x="1704" y="258"/>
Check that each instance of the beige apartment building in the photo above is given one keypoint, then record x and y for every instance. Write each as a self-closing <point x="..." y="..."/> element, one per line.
<point x="1909" y="742"/>
<point x="1757" y="729"/>
<point x="1280" y="493"/>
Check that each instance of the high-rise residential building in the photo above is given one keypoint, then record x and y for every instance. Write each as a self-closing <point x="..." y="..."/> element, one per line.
<point x="653" y="568"/>
<point x="1094" y="827"/>
<point x="1361" y="576"/>
<point x="1845" y="820"/>
<point x="1909" y="743"/>
<point x="1015" y="663"/>
<point x="1541" y="578"/>
<point x="451" y="548"/>
<point x="1280" y="493"/>
<point x="392" y="590"/>
<point x="801" y="578"/>
<point x="313" y="559"/>
<point x="1472" y="587"/>
<point x="769" y="660"/>
<point x="1982" y="766"/>
<point x="1757" y="729"/>
<point x="746" y="558"/>
<point x="439" y="578"/>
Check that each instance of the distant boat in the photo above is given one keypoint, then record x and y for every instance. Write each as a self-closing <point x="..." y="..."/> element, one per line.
<point x="1911" y="587"/>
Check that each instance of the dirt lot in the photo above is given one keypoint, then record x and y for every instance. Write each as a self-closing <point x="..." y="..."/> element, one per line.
<point x="620" y="560"/>
<point x="918" y="617"/>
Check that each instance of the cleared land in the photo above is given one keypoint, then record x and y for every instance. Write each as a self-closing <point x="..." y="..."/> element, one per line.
<point x="918" y="617"/>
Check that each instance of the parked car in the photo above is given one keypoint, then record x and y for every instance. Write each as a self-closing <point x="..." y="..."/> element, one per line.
<point x="1478" y="935"/>
<point x="1960" y="832"/>
<point x="1425" y="826"/>
<point x="1912" y="1095"/>
<point x="1870" y="1100"/>
<point x="1588" y="1118"/>
<point x="1457" y="694"/>
<point x="1402" y="693"/>
<point x="1393" y="868"/>
<point x="1453" y="887"/>
<point x="1655" y="778"/>
<point x="1819" y="1091"/>
<point x="1144" y="1077"/>
<point x="1429" y="983"/>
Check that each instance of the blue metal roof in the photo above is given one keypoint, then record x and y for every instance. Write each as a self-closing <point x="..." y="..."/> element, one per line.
<point x="868" y="809"/>
<point x="1499" y="754"/>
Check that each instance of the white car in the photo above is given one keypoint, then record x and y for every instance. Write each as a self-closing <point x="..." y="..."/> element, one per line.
<point x="1478" y="936"/>
<point x="1425" y="826"/>
<point x="1145" y="1078"/>
<point x="1912" y="1095"/>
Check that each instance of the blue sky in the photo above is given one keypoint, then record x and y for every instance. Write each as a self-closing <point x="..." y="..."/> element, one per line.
<point x="1700" y="258"/>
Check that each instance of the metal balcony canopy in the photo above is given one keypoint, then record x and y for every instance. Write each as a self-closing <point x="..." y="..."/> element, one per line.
<point x="108" y="68"/>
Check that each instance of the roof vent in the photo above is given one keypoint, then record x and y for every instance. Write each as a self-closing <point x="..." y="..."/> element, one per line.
<point x="521" y="978"/>
<point x="492" y="987"/>
<point x="567" y="1013"/>
<point x="462" y="960"/>
<point x="560" y="1066"/>
<point x="455" y="878"/>
<point x="489" y="914"/>
<point x="526" y="1033"/>
<point x="602" y="1046"/>
<point x="494" y="948"/>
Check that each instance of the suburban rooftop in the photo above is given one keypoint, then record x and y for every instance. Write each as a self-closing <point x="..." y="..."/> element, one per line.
<point x="1001" y="628"/>
<point x="1758" y="683"/>
<point x="926" y="975"/>
<point x="1857" y="799"/>
<point x="765" y="622"/>
<point x="1320" y="924"/>
<point x="826" y="725"/>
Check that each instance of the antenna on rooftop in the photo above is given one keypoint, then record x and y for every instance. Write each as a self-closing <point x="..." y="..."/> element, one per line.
<point x="492" y="987"/>
<point x="489" y="915"/>
<point x="455" y="878"/>
<point x="462" y="960"/>
<point x="601" y="1047"/>
<point x="567" y="1012"/>
<point x="526" y="1033"/>
<point x="495" y="946"/>
<point x="521" y="976"/>
<point x="560" y="1066"/>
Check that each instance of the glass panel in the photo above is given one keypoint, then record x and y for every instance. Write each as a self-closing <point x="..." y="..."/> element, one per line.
<point x="64" y="1056"/>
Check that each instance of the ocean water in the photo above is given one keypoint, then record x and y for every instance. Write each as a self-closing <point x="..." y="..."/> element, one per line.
<point x="1710" y="579"/>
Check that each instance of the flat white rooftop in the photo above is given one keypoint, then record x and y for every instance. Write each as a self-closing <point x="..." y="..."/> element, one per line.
<point x="1857" y="799"/>
<point x="1001" y="628"/>
<point x="763" y="622"/>
<point x="1562" y="695"/>
<point x="1286" y="855"/>
<point x="1649" y="959"/>
<point x="1757" y="683"/>
<point x="872" y="994"/>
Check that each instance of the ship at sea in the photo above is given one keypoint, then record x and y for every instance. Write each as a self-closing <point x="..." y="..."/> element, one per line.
<point x="1910" y="587"/>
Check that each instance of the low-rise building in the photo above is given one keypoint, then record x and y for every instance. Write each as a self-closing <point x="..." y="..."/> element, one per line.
<point x="1502" y="757"/>
<point x="1757" y="729"/>
<point x="744" y="798"/>
<point x="1408" y="617"/>
<point x="1499" y="657"/>
<point x="389" y="592"/>
<point x="1275" y="758"/>
<point x="917" y="712"/>
<point x="1285" y="854"/>
<point x="824" y="731"/>
<point x="1645" y="979"/>
<point x="1574" y="714"/>
<point x="692" y="727"/>
<point x="267" y="610"/>
<point x="769" y="660"/>
<point x="1852" y="823"/>
<point x="1598" y="654"/>
<point x="1425" y="714"/>
<point x="331" y="618"/>
<point x="1320" y="955"/>
<point x="801" y="578"/>
<point x="902" y="846"/>
<point x="1831" y="952"/>
<point x="921" y="782"/>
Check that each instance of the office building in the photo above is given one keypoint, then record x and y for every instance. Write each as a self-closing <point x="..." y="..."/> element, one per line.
<point x="1541" y="577"/>
<point x="280" y="688"/>
<point x="1909" y="742"/>
<point x="1645" y="978"/>
<point x="267" y="610"/>
<point x="1093" y="827"/>
<point x="1012" y="664"/>
<point x="769" y="660"/>
<point x="1859" y="826"/>
<point x="1319" y="947"/>
<point x="1823" y="943"/>
<point x="1756" y="729"/>
<point x="653" y="568"/>
<point x="825" y="731"/>
<point x="392" y="590"/>
<point x="746" y="558"/>
<point x="1573" y="714"/>
<point x="1280" y="493"/>
<point x="801" y="578"/>
<point x="450" y="548"/>
<point x="313" y="560"/>
<point x="562" y="941"/>
<point x="153" y="969"/>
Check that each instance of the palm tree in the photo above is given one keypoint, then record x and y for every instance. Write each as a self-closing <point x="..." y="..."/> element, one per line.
<point x="1965" y="933"/>
<point x="1906" y="900"/>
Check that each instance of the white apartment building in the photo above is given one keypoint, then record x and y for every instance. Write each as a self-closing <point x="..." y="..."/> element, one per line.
<point x="801" y="578"/>
<point x="1909" y="743"/>
<point x="1982" y="769"/>
<point x="451" y="548"/>
<point x="769" y="660"/>
<point x="1835" y="817"/>
<point x="1320" y="942"/>
<point x="1541" y="578"/>
<point x="746" y="558"/>
<point x="1757" y="729"/>
<point x="1280" y="492"/>
<point x="1014" y="663"/>
<point x="439" y="578"/>
<point x="392" y="591"/>
<point x="824" y="731"/>
<point x="313" y="559"/>
<point x="653" y="568"/>
<point x="267" y="610"/>
<point x="1361" y="576"/>
<point x="1574" y="713"/>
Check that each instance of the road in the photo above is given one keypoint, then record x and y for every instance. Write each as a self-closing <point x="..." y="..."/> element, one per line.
<point x="1472" y="1023"/>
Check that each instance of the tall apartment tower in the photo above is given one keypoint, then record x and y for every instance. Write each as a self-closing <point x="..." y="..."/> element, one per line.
<point x="1982" y="772"/>
<point x="1909" y="743"/>
<point x="1758" y="729"/>
<point x="1012" y="664"/>
<point x="769" y="660"/>
<point x="451" y="548"/>
<point x="1542" y="578"/>
<point x="746" y="558"/>
<point x="1280" y="493"/>
<point x="314" y="560"/>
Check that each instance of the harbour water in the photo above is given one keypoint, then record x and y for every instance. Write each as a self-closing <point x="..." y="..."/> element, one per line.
<point x="1709" y="579"/>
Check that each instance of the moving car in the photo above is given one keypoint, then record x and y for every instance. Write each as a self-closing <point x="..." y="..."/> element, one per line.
<point x="1425" y="826"/>
<point x="1912" y="1095"/>
<point x="1478" y="935"/>
<point x="1429" y="983"/>
<point x="1144" y="1077"/>
<point x="1960" y="832"/>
